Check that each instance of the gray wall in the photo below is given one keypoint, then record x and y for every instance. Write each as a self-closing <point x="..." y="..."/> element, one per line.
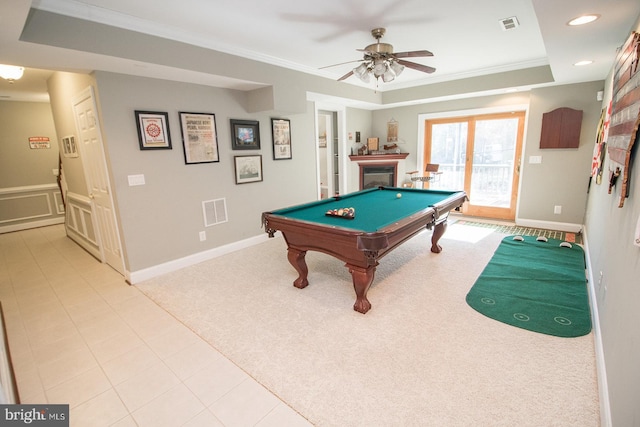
<point x="161" y="220"/>
<point x="563" y="176"/>
<point x="29" y="193"/>
<point x="18" y="122"/>
<point x="610" y="232"/>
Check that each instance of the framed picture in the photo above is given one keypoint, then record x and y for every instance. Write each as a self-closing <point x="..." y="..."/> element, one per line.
<point x="199" y="137"/>
<point x="281" y="134"/>
<point x="245" y="134"/>
<point x="69" y="147"/>
<point x="153" y="130"/>
<point x="392" y="131"/>
<point x="248" y="169"/>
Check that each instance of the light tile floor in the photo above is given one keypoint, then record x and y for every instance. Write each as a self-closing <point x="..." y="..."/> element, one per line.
<point x="78" y="334"/>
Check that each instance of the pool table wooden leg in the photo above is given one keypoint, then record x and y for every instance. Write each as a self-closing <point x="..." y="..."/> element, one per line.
<point x="438" y="231"/>
<point x="296" y="258"/>
<point x="362" y="279"/>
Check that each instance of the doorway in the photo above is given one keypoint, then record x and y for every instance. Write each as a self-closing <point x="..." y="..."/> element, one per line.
<point x="95" y="171"/>
<point x="330" y="150"/>
<point x="481" y="155"/>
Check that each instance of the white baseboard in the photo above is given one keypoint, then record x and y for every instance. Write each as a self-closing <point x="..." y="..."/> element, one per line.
<point x="549" y="225"/>
<point x="601" y="369"/>
<point x="134" y="277"/>
<point x="31" y="224"/>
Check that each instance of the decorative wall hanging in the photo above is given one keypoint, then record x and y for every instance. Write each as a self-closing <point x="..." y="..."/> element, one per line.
<point x="625" y="116"/>
<point x="199" y="137"/>
<point x="69" y="147"/>
<point x="153" y="130"/>
<point x="281" y="134"/>
<point x="245" y="134"/>
<point x="392" y="131"/>
<point x="248" y="169"/>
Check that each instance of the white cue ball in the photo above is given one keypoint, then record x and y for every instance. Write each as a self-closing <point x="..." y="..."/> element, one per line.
<point x="399" y="195"/>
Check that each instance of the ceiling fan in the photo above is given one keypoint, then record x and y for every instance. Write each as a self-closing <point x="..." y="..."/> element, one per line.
<point x="380" y="61"/>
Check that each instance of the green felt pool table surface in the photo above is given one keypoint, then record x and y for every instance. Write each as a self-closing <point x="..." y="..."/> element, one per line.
<point x="375" y="208"/>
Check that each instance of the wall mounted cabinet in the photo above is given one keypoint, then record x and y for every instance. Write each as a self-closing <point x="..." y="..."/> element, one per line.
<point x="561" y="128"/>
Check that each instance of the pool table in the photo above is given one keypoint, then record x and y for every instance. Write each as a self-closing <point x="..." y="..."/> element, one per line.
<point x="384" y="217"/>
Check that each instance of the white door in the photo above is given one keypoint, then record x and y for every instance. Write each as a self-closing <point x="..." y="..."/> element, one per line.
<point x="95" y="171"/>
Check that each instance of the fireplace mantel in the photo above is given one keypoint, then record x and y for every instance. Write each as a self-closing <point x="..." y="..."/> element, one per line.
<point x="378" y="157"/>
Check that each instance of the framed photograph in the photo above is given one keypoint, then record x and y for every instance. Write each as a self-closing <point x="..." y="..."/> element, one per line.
<point x="248" y="169"/>
<point x="281" y="134"/>
<point x="245" y="134"/>
<point x="153" y="130"/>
<point x="69" y="148"/>
<point x="199" y="137"/>
<point x="372" y="144"/>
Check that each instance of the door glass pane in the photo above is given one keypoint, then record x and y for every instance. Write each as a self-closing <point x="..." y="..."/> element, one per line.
<point x="449" y="150"/>
<point x="493" y="162"/>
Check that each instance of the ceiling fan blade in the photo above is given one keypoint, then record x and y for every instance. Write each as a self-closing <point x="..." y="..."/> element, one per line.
<point x="346" y="76"/>
<point x="419" y="67"/>
<point x="413" y="54"/>
<point x="342" y="63"/>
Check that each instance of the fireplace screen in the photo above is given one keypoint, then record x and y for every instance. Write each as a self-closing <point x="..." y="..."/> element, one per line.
<point x="375" y="176"/>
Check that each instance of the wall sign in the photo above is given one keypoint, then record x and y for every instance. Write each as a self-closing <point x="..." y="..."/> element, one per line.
<point x="39" y="142"/>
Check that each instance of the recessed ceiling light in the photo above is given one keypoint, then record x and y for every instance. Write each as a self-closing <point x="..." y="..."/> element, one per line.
<point x="584" y="19"/>
<point x="580" y="63"/>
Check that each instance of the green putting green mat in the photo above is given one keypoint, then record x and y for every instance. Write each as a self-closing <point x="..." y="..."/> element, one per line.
<point x="535" y="285"/>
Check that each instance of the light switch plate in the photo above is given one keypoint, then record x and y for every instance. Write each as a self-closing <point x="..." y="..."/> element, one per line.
<point x="136" y="180"/>
<point x="535" y="159"/>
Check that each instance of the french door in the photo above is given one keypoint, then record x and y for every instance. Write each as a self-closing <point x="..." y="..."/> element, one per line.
<point x="480" y="154"/>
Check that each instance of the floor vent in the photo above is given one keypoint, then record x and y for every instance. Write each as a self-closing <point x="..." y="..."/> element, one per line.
<point x="509" y="23"/>
<point x="214" y="211"/>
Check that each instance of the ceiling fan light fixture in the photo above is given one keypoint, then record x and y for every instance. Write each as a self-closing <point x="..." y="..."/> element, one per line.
<point x="362" y="72"/>
<point x="11" y="72"/>
<point x="379" y="67"/>
<point x="396" y="67"/>
<point x="388" y="76"/>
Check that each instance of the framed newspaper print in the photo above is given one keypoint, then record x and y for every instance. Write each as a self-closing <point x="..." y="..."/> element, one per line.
<point x="281" y="134"/>
<point x="199" y="137"/>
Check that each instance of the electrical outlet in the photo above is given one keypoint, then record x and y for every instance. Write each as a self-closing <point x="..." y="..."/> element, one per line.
<point x="557" y="209"/>
<point x="203" y="236"/>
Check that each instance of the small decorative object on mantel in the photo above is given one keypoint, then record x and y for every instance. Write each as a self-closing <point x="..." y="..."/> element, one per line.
<point x="561" y="128"/>
<point x="372" y="144"/>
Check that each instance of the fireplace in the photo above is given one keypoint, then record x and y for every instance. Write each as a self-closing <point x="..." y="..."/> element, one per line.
<point x="378" y="174"/>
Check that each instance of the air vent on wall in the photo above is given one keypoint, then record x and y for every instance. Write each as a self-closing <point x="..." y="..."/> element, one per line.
<point x="214" y="211"/>
<point x="509" y="23"/>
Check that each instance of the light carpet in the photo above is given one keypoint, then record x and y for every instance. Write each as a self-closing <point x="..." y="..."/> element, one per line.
<point x="420" y="357"/>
